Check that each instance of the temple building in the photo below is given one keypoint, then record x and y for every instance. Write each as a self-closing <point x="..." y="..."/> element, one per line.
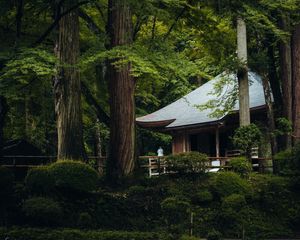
<point x="193" y="129"/>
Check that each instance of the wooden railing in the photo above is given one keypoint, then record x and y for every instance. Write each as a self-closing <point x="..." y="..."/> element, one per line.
<point x="154" y="164"/>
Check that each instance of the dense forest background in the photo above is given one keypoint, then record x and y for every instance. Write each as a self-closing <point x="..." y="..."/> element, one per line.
<point x="169" y="46"/>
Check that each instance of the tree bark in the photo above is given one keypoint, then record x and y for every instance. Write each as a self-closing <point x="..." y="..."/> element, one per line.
<point x="296" y="82"/>
<point x="68" y="90"/>
<point x="121" y="89"/>
<point x="274" y="81"/>
<point x="98" y="149"/>
<point x="286" y="77"/>
<point x="270" y="114"/>
<point x="243" y="73"/>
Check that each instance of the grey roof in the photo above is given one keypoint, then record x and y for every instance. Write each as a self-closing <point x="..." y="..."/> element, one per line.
<point x="184" y="112"/>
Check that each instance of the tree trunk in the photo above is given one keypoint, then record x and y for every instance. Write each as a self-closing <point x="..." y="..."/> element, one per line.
<point x="98" y="149"/>
<point x="121" y="89"/>
<point x="68" y="90"/>
<point x="286" y="77"/>
<point x="296" y="82"/>
<point x="270" y="114"/>
<point x="243" y="73"/>
<point x="274" y="80"/>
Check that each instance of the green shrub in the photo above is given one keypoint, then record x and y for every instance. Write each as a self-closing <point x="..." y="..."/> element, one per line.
<point x="202" y="197"/>
<point x="227" y="183"/>
<point x="42" y="211"/>
<point x="241" y="166"/>
<point x="234" y="201"/>
<point x="214" y="235"/>
<point x="74" y="175"/>
<point x="85" y="220"/>
<point x="288" y="162"/>
<point x="186" y="237"/>
<point x="247" y="137"/>
<point x="190" y="162"/>
<point x="40" y="181"/>
<point x="175" y="210"/>
<point x="72" y="234"/>
<point x="6" y="183"/>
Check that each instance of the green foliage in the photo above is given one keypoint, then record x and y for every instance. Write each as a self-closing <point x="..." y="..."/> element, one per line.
<point x="40" y="181"/>
<point x="283" y="126"/>
<point x="74" y="176"/>
<point x="227" y="183"/>
<point x="186" y="237"/>
<point x="202" y="197"/>
<point x="73" y="234"/>
<point x="6" y="183"/>
<point x="247" y="137"/>
<point x="234" y="201"/>
<point x="175" y="210"/>
<point x="241" y="166"/>
<point x="190" y="162"/>
<point x="85" y="220"/>
<point x="214" y="235"/>
<point x="42" y="211"/>
<point x="287" y="162"/>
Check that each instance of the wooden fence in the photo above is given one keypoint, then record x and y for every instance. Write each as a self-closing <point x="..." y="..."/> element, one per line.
<point x="154" y="164"/>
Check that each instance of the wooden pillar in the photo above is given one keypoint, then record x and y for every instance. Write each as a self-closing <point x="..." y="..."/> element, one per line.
<point x="217" y="142"/>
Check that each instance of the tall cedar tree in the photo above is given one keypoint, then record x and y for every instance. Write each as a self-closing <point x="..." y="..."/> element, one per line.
<point x="68" y="90"/>
<point x="243" y="73"/>
<point x="121" y="89"/>
<point x="296" y="82"/>
<point x="286" y="76"/>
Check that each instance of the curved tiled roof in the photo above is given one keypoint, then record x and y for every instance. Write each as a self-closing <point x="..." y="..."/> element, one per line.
<point x="184" y="112"/>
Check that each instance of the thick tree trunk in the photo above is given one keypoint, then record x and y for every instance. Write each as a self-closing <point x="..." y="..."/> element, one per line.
<point x="296" y="82"/>
<point x="274" y="81"/>
<point x="270" y="114"/>
<point x="243" y="73"/>
<point x="286" y="78"/>
<point x="68" y="90"/>
<point x="121" y="89"/>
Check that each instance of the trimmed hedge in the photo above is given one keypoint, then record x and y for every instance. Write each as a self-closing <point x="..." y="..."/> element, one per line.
<point x="74" y="175"/>
<point x="40" y="181"/>
<point x="187" y="163"/>
<point x="227" y="183"/>
<point x="72" y="234"/>
<point x="42" y="211"/>
<point x="241" y="165"/>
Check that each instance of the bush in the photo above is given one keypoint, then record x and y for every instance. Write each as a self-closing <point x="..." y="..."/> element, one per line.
<point x="214" y="235"/>
<point x="234" y="201"/>
<point x="241" y="166"/>
<point x="85" y="220"/>
<point x="246" y="137"/>
<point x="175" y="210"/>
<point x="190" y="162"/>
<point x="40" y="181"/>
<point x="74" y="175"/>
<point x="42" y="211"/>
<point x="227" y="183"/>
<point x="202" y="197"/>
<point x="288" y="161"/>
<point x="72" y="234"/>
<point x="6" y="183"/>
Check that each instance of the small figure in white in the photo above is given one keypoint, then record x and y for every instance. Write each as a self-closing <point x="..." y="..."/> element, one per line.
<point x="160" y="152"/>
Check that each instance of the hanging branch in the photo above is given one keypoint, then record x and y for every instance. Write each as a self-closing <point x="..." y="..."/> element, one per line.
<point x="56" y="21"/>
<point x="90" y="22"/>
<point x="101" y="114"/>
<point x="174" y="23"/>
